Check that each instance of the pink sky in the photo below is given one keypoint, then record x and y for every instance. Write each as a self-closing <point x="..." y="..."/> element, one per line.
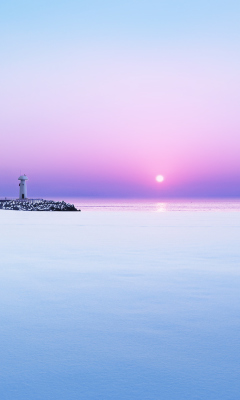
<point x="103" y="120"/>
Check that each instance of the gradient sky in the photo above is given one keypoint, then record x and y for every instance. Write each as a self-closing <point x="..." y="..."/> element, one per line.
<point x="99" y="97"/>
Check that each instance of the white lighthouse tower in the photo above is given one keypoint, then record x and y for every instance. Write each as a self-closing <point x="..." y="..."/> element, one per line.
<point x="23" y="186"/>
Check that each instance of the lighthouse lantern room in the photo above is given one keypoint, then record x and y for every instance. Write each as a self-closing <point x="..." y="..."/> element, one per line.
<point x="23" y="186"/>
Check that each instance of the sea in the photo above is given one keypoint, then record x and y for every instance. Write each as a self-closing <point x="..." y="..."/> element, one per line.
<point x="125" y="300"/>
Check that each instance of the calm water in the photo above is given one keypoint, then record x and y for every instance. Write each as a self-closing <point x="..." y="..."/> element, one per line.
<point x="153" y="205"/>
<point x="125" y="300"/>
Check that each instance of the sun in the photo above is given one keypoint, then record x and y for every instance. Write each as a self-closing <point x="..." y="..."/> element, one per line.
<point x="159" y="178"/>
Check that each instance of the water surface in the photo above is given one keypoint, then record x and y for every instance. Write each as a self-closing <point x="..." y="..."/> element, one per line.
<point x="121" y="301"/>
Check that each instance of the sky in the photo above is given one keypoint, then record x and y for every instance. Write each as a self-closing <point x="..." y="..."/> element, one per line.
<point x="97" y="98"/>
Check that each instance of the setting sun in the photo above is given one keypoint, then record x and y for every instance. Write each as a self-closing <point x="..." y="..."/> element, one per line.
<point x="159" y="178"/>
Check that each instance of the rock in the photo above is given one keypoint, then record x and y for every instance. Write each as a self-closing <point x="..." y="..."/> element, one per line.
<point x="40" y="205"/>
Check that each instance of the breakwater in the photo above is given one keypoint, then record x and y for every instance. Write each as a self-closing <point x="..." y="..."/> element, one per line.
<point x="38" y="205"/>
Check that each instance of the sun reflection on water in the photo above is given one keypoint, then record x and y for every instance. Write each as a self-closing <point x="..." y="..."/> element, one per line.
<point x="161" y="207"/>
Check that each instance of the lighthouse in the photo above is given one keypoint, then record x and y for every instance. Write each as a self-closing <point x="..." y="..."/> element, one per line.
<point x="23" y="186"/>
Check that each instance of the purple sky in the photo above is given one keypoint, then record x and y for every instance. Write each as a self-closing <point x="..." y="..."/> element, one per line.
<point x="97" y="101"/>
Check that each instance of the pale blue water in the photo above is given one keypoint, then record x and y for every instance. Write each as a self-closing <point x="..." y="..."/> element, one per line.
<point x="128" y="301"/>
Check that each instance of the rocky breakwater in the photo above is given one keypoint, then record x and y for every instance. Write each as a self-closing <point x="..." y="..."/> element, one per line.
<point x="40" y="205"/>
